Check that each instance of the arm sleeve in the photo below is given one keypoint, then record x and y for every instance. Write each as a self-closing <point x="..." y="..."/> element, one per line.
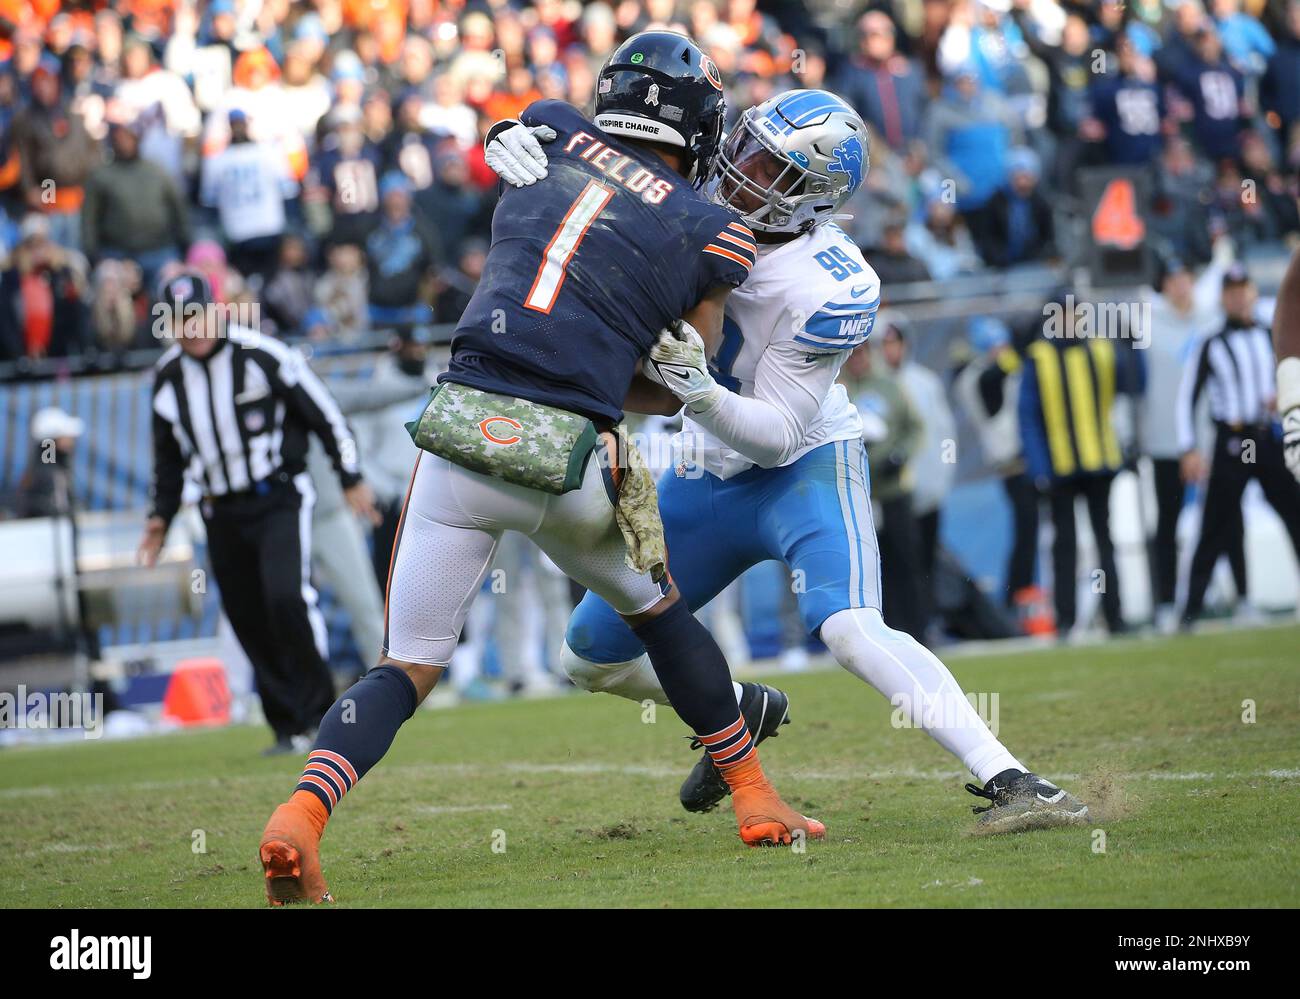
<point x="307" y="396"/>
<point x="1195" y="372"/>
<point x="788" y="392"/>
<point x="168" y="462"/>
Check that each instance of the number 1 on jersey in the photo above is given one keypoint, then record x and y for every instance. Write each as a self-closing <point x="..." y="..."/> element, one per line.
<point x="560" y="250"/>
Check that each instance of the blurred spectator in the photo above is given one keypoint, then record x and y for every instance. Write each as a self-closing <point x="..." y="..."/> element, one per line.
<point x="892" y="263"/>
<point x="1070" y="68"/>
<point x="456" y="286"/>
<point x="941" y="240"/>
<point x="1245" y="42"/>
<point x="1180" y="208"/>
<point x="1216" y="91"/>
<point x="386" y="456"/>
<point x="341" y="293"/>
<point x="1072" y="452"/>
<point x="935" y="463"/>
<point x="287" y="296"/>
<point x="886" y="88"/>
<point x="208" y="258"/>
<point x="451" y="202"/>
<point x="57" y="155"/>
<point x="306" y="91"/>
<point x="968" y="131"/>
<point x="1016" y="226"/>
<point x="1279" y="90"/>
<point x="133" y="210"/>
<point x="1127" y="109"/>
<point x="449" y="113"/>
<point x="43" y="296"/>
<point x="345" y="176"/>
<point x="160" y="106"/>
<point x="409" y="146"/>
<point x="1183" y="308"/>
<point x="401" y="254"/>
<point x="114" y="318"/>
<point x="980" y="38"/>
<point x="245" y="183"/>
<point x="988" y="388"/>
<point x="45" y="489"/>
<point x="894" y="435"/>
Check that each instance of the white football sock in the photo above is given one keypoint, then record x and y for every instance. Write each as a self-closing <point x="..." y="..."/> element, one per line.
<point x="911" y="677"/>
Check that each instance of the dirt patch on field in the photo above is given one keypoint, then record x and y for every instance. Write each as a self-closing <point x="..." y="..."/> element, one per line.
<point x="1107" y="795"/>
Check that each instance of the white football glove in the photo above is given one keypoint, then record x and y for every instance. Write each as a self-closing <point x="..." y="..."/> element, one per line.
<point x="677" y="362"/>
<point x="516" y="153"/>
<point x="1291" y="440"/>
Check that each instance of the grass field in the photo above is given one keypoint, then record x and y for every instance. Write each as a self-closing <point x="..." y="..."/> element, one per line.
<point x="1197" y="807"/>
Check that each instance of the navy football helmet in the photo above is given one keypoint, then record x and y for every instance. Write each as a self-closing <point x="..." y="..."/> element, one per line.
<point x="659" y="86"/>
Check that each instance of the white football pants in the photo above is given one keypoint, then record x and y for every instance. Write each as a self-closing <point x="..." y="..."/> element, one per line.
<point x="451" y="525"/>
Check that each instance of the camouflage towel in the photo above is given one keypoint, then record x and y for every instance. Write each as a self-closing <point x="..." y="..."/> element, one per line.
<point x="521" y="442"/>
<point x="637" y="512"/>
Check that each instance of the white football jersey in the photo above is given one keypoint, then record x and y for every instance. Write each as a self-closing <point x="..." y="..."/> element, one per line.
<point x="805" y="305"/>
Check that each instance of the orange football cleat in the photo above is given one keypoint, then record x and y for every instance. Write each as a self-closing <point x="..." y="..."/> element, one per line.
<point x="290" y="854"/>
<point x="766" y="820"/>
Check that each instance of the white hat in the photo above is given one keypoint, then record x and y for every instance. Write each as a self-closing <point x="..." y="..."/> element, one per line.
<point x="34" y="225"/>
<point x="51" y="423"/>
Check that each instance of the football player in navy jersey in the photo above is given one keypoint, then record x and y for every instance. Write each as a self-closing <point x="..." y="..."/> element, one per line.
<point x="585" y="270"/>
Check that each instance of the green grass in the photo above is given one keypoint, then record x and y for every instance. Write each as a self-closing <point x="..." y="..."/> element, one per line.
<point x="1197" y="807"/>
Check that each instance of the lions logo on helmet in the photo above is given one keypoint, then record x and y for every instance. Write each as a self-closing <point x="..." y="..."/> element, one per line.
<point x="791" y="162"/>
<point x="847" y="159"/>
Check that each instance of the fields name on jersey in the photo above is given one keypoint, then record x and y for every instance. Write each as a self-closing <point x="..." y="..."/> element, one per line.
<point x="618" y="167"/>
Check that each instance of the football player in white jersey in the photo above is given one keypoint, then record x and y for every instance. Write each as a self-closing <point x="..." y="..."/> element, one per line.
<point x="771" y="463"/>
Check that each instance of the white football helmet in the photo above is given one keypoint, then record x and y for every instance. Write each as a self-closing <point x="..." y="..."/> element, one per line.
<point x="791" y="162"/>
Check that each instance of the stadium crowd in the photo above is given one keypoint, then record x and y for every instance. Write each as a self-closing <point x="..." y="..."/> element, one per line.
<point x="324" y="160"/>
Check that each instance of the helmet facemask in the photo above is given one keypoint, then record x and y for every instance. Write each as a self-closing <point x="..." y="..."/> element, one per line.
<point x="770" y="188"/>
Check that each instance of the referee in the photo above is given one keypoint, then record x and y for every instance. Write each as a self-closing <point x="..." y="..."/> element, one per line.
<point x="231" y="413"/>
<point x="1236" y="365"/>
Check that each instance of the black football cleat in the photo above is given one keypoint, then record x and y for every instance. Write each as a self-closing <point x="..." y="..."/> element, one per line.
<point x="765" y="710"/>
<point x="1025" y="801"/>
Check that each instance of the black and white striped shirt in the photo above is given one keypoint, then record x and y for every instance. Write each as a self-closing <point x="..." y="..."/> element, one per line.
<point x="1237" y="367"/>
<point x="238" y="417"/>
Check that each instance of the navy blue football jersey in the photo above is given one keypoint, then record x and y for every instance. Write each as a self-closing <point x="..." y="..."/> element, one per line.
<point x="586" y="267"/>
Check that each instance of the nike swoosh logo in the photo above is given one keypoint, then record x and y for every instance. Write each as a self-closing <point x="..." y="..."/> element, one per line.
<point x="860" y="290"/>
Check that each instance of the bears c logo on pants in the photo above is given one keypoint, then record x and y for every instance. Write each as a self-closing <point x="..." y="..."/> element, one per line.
<point x="485" y="425"/>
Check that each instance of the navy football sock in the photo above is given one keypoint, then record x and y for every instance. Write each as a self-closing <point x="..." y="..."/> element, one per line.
<point x="356" y="733"/>
<point x="694" y="675"/>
